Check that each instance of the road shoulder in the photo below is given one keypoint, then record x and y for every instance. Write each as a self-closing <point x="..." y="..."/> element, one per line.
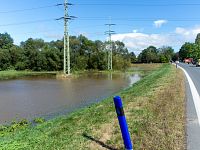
<point x="192" y="127"/>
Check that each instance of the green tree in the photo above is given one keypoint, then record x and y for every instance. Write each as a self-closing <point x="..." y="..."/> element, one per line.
<point x="32" y="49"/>
<point x="197" y="40"/>
<point x="149" y="55"/>
<point x="196" y="52"/>
<point x="187" y="50"/>
<point x="16" y="55"/>
<point x="133" y="57"/>
<point x="37" y="55"/>
<point x="4" y="59"/>
<point x="166" y="54"/>
<point x="6" y="41"/>
<point x="100" y="55"/>
<point x="51" y="58"/>
<point x="175" y="56"/>
<point x="121" y="56"/>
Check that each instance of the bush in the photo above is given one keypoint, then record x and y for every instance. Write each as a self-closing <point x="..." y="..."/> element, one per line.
<point x="20" y="66"/>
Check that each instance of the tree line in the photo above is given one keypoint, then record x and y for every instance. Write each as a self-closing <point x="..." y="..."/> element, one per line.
<point x="190" y="50"/>
<point x="38" y="55"/>
<point x="85" y="54"/>
<point x="165" y="54"/>
<point x="156" y="55"/>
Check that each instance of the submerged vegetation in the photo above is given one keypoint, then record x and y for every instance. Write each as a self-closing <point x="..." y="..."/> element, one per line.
<point x="154" y="108"/>
<point x="12" y="74"/>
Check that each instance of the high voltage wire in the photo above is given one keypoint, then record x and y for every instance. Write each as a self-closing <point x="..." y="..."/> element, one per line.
<point x="138" y="19"/>
<point x="124" y="24"/>
<point x="93" y="18"/>
<point x="137" y="4"/>
<point x="27" y="22"/>
<point x="99" y="4"/>
<point x="45" y="31"/>
<point x="131" y="18"/>
<point x="103" y="18"/>
<point x="90" y="33"/>
<point x="53" y="19"/>
<point x="29" y="9"/>
<point x="141" y="20"/>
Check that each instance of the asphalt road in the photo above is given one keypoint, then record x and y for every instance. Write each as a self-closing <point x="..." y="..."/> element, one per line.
<point x="193" y="127"/>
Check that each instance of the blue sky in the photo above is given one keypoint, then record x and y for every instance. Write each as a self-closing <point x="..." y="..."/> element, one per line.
<point x="139" y="23"/>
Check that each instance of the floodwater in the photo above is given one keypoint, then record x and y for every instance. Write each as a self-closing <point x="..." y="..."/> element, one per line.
<point x="35" y="97"/>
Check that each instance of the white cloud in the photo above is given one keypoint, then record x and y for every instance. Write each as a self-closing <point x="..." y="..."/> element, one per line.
<point x="188" y="33"/>
<point x="135" y="31"/>
<point x="159" y="23"/>
<point x="138" y="41"/>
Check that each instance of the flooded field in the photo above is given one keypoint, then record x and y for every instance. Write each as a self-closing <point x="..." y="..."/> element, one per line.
<point x="41" y="96"/>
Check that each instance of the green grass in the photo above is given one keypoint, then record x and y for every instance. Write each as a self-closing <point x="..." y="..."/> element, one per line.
<point x="150" y="107"/>
<point x="12" y="74"/>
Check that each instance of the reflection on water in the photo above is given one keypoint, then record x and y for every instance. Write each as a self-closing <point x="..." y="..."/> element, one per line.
<point x="33" y="97"/>
<point x="133" y="78"/>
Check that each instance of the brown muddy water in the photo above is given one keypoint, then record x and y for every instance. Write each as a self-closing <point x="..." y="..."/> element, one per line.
<point x="46" y="97"/>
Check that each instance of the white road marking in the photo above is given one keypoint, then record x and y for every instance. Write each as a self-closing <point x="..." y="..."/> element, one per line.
<point x="195" y="94"/>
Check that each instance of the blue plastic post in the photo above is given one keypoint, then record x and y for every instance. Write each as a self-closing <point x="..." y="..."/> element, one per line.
<point x="123" y="124"/>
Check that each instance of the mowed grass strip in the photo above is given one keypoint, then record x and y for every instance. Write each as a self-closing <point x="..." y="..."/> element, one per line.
<point x="155" y="111"/>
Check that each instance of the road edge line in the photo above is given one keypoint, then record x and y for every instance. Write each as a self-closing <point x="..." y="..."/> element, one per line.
<point x="195" y="94"/>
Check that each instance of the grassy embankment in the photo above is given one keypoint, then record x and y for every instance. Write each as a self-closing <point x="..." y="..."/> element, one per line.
<point x="12" y="74"/>
<point x="155" y="111"/>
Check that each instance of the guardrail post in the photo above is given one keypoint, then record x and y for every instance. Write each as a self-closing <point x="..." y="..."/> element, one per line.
<point x="122" y="122"/>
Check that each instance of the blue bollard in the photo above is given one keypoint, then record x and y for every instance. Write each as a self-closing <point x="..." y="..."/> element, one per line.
<point x="123" y="124"/>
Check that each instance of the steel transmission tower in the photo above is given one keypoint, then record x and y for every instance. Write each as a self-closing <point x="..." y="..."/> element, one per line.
<point x="110" y="51"/>
<point x="66" y="37"/>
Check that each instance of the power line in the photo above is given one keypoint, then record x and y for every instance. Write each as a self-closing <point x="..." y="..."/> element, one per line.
<point x="138" y="19"/>
<point x="30" y="9"/>
<point x="138" y="4"/>
<point x="89" y="33"/>
<point x="53" y="19"/>
<point x="120" y="25"/>
<point x="27" y="22"/>
<point x="32" y="32"/>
